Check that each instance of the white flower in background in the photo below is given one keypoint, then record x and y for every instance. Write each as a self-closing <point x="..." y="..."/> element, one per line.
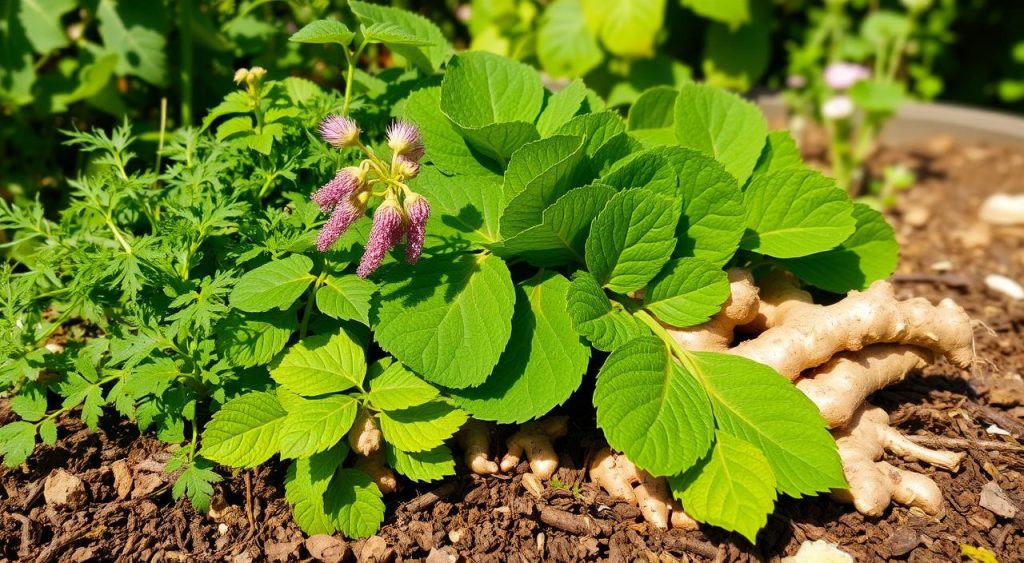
<point x="837" y="107"/>
<point x="840" y="76"/>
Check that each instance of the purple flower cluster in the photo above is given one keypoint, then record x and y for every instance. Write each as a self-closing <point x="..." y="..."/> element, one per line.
<point x="404" y="139"/>
<point x="339" y="131"/>
<point x="418" y="209"/>
<point x="341" y="198"/>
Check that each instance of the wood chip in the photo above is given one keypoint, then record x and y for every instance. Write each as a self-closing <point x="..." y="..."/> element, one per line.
<point x="994" y="498"/>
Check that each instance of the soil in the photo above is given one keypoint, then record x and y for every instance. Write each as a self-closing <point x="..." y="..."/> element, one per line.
<point x="127" y="514"/>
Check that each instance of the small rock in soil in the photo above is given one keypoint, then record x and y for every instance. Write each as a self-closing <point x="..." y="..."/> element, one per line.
<point x="375" y="550"/>
<point x="903" y="541"/>
<point x="1007" y="392"/>
<point x="1003" y="209"/>
<point x="122" y="478"/>
<point x="1005" y="285"/>
<point x="281" y="551"/>
<point x="994" y="498"/>
<point x="818" y="551"/>
<point x="326" y="548"/>
<point x="443" y="555"/>
<point x="917" y="216"/>
<point x="62" y="489"/>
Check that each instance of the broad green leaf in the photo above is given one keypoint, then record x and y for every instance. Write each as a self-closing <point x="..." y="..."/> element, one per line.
<point x="794" y="213"/>
<point x="324" y="31"/>
<point x="597" y="129"/>
<point x="17" y="440"/>
<point x="538" y="174"/>
<point x="627" y="28"/>
<point x="643" y="74"/>
<point x="721" y="125"/>
<point x="606" y="324"/>
<point x="305" y="484"/>
<point x="561" y="106"/>
<point x="135" y="31"/>
<point x="652" y="115"/>
<point x="398" y="388"/>
<point x="643" y="169"/>
<point x="687" y="292"/>
<point x="446" y="318"/>
<point x="753" y="402"/>
<point x="870" y="254"/>
<point x="780" y="153"/>
<point x="652" y="409"/>
<point x="631" y="239"/>
<point x="421" y="428"/>
<point x="247" y="340"/>
<point x="736" y="57"/>
<point x="463" y="207"/>
<point x="92" y="79"/>
<point x="565" y="46"/>
<point x="392" y="35"/>
<point x="446" y="148"/>
<point x="274" y="285"/>
<point x="245" y="432"/>
<point x="543" y="364"/>
<point x="732" y="12"/>
<point x="314" y="425"/>
<point x="733" y="488"/>
<point x="29" y="403"/>
<point x="711" y="224"/>
<point x="325" y="363"/>
<point x="42" y="22"/>
<point x="424" y="467"/>
<point x="560" y="237"/>
<point x="17" y="68"/>
<point x="431" y="49"/>
<point x="346" y="298"/>
<point x="355" y="503"/>
<point x="48" y="432"/>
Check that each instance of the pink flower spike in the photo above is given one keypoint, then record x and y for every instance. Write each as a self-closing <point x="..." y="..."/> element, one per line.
<point x="418" y="209"/>
<point x="339" y="131"/>
<point x="841" y="76"/>
<point x="341" y="219"/>
<point x="404" y="139"/>
<point x="344" y="184"/>
<point x="388" y="228"/>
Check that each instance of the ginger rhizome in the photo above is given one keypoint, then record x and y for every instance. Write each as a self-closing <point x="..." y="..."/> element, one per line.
<point x="622" y="480"/>
<point x="534" y="440"/>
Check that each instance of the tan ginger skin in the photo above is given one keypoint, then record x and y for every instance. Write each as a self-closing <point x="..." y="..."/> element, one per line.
<point x="622" y="480"/>
<point x="375" y="465"/>
<point x="475" y="440"/>
<point x="536" y="440"/>
<point x="365" y="438"/>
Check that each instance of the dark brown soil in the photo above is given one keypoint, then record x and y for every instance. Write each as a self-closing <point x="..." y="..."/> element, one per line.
<point x="947" y="253"/>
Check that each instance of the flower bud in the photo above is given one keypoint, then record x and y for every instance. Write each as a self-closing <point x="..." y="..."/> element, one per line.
<point x="417" y="208"/>
<point x="841" y="76"/>
<point x="388" y="228"/>
<point x="256" y="74"/>
<point x="406" y="168"/>
<point x="241" y="75"/>
<point x="837" y="107"/>
<point x="404" y="140"/>
<point x="339" y="131"/>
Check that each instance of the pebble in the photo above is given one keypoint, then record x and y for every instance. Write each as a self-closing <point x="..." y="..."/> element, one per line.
<point x="63" y="489"/>
<point x="1003" y="209"/>
<point x="326" y="548"/>
<point x="994" y="498"/>
<point x="818" y="551"/>
<point x="917" y="216"/>
<point x="903" y="541"/>
<point x="222" y="528"/>
<point x="1005" y="285"/>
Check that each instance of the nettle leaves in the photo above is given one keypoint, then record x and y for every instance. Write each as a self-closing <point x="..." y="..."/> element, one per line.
<point x="324" y="386"/>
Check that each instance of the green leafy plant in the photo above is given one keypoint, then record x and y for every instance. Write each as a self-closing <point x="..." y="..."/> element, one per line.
<point x="545" y="238"/>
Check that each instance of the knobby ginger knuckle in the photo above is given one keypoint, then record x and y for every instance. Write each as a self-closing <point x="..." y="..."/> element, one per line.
<point x="375" y="465"/>
<point x="623" y="480"/>
<point x="365" y="438"/>
<point x="739" y="309"/>
<point x="840" y="386"/>
<point x="536" y="440"/>
<point x="475" y="440"/>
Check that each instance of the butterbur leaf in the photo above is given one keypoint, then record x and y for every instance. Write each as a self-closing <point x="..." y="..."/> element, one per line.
<point x="314" y="425"/>
<point x="753" y="402"/>
<point x="733" y="488"/>
<point x="274" y="285"/>
<point x="464" y="206"/>
<point x="561" y="106"/>
<point x="652" y="409"/>
<point x="446" y="318"/>
<point x="354" y="503"/>
<point x="631" y="239"/>
<point x="428" y="50"/>
<point x="721" y="125"/>
<point x="247" y="340"/>
<point x="652" y="115"/>
<point x="780" y="153"/>
<point x="543" y="364"/>
<point x="398" y="388"/>
<point x="449" y="151"/>
<point x="538" y="174"/>
<point x="687" y="292"/>
<point x="305" y="484"/>
<point x="795" y="212"/>
<point x="245" y="432"/>
<point x="870" y="254"/>
<point x="424" y="467"/>
<point x="645" y="169"/>
<point x="421" y="428"/>
<point x="346" y="298"/>
<point x="325" y="363"/>
<point x="324" y="31"/>
<point x="604" y="323"/>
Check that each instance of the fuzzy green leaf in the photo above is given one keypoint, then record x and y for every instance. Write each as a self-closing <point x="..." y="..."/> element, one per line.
<point x="721" y="125"/>
<point x="538" y="174"/>
<point x="561" y="106"/>
<point x="687" y="292"/>
<point x="463" y="207"/>
<point x="428" y="49"/>
<point x="17" y="440"/>
<point x="324" y="31"/>
<point x="245" y="432"/>
<point x="446" y="318"/>
<point x="325" y="363"/>
<point x="606" y="325"/>
<point x="254" y="339"/>
<point x="733" y="488"/>
<point x="631" y="239"/>
<point x="794" y="213"/>
<point x="421" y="428"/>
<point x="314" y="425"/>
<point x="543" y="364"/>
<point x="652" y="409"/>
<point x="431" y="465"/>
<point x="305" y="484"/>
<point x="398" y="388"/>
<point x="652" y="115"/>
<point x="780" y="153"/>
<point x="448" y="150"/>
<point x="346" y="298"/>
<point x="565" y="47"/>
<point x="274" y="285"/>
<point x="355" y="503"/>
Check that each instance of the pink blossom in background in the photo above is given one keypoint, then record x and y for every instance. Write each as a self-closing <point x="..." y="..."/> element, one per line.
<point x="837" y="107"/>
<point x="796" y="81"/>
<point x="841" y="76"/>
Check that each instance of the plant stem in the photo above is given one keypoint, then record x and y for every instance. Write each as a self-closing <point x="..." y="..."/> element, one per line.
<point x="352" y="59"/>
<point x="308" y="311"/>
<point x="185" y="30"/>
